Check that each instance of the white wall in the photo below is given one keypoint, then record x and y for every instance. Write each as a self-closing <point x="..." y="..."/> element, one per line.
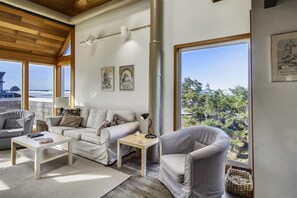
<point x="113" y="51"/>
<point x="275" y="106"/>
<point x="188" y="21"/>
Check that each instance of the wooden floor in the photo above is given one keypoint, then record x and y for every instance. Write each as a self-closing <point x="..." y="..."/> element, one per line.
<point x="139" y="187"/>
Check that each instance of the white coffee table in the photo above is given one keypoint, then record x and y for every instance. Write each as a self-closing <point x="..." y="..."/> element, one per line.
<point x="41" y="153"/>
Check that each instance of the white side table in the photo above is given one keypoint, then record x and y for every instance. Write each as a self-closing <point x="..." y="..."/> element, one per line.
<point x="138" y="141"/>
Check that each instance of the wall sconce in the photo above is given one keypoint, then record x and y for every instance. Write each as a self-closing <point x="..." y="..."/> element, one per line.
<point x="91" y="39"/>
<point x="125" y="31"/>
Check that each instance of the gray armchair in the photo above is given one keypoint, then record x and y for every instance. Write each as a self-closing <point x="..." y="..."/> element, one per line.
<point x="192" y="162"/>
<point x="13" y="124"/>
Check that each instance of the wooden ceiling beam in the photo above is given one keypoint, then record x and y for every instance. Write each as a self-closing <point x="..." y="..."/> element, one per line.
<point x="19" y="12"/>
<point x="20" y="56"/>
<point x="269" y="3"/>
<point x="65" y="45"/>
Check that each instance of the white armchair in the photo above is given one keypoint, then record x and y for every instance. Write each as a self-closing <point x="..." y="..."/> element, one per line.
<point x="192" y="162"/>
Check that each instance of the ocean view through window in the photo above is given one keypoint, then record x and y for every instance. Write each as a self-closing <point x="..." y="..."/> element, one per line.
<point x="41" y="90"/>
<point x="65" y="81"/>
<point x="214" y="91"/>
<point x="10" y="86"/>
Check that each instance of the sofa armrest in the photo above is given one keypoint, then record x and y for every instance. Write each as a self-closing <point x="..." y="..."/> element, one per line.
<point x="28" y="125"/>
<point x="119" y="131"/>
<point x="53" y="121"/>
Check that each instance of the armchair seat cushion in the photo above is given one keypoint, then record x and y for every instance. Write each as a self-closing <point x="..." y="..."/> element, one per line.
<point x="77" y="133"/>
<point x="60" y="129"/>
<point x="174" y="164"/>
<point x="91" y="137"/>
<point x="5" y="133"/>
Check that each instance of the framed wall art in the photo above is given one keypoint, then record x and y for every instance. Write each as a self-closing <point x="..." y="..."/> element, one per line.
<point x="284" y="57"/>
<point x="107" y="78"/>
<point x="127" y="77"/>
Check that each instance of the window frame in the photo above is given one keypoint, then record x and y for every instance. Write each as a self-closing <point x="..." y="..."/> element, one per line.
<point x="224" y="41"/>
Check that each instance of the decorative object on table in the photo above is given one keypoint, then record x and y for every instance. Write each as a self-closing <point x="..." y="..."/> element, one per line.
<point x="107" y="79"/>
<point x="61" y="102"/>
<point x="41" y="126"/>
<point x="45" y="140"/>
<point x="34" y="135"/>
<point x="239" y="182"/>
<point x="149" y="135"/>
<point x="284" y="57"/>
<point x="127" y="77"/>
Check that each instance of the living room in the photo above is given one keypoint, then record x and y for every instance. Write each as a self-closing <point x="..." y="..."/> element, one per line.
<point x="121" y="39"/>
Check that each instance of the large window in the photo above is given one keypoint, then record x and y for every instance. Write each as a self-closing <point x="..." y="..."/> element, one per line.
<point x="41" y="90"/>
<point x="10" y="86"/>
<point x="214" y="91"/>
<point x="65" y="81"/>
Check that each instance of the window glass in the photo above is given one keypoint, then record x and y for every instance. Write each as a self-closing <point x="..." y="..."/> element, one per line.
<point x="65" y="82"/>
<point x="214" y="92"/>
<point x="10" y="86"/>
<point x="41" y="90"/>
<point x="68" y="50"/>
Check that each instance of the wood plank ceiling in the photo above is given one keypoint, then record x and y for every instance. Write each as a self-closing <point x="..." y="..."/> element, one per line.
<point x="28" y="34"/>
<point x="70" y="7"/>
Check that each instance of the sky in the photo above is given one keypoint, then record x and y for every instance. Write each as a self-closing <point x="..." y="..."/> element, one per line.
<point x="40" y="77"/>
<point x="222" y="67"/>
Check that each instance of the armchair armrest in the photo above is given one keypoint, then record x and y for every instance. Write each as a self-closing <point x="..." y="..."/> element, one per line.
<point x="119" y="131"/>
<point x="175" y="143"/>
<point x="207" y="162"/>
<point x="28" y="125"/>
<point x="53" y="121"/>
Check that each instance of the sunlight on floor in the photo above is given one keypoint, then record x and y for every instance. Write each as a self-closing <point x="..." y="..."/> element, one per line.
<point x="7" y="163"/>
<point x="80" y="177"/>
<point x="3" y="186"/>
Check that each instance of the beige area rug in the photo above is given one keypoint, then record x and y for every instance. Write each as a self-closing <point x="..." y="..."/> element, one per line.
<point x="84" y="178"/>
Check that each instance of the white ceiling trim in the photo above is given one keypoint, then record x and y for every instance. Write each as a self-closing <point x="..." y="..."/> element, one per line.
<point x="43" y="11"/>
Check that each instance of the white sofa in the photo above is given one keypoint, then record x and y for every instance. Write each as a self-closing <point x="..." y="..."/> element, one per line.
<point x="87" y="143"/>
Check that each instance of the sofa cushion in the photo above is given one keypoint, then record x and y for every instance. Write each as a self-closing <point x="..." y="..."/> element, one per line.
<point x="84" y="113"/>
<point x="60" y="129"/>
<point x="174" y="164"/>
<point x="91" y="137"/>
<point x="11" y="123"/>
<point x="124" y="115"/>
<point x="76" y="133"/>
<point x="96" y="117"/>
<point x="70" y="121"/>
<point x="5" y="133"/>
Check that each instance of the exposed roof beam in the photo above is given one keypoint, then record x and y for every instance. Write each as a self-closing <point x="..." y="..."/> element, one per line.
<point x="270" y="3"/>
<point x="43" y="11"/>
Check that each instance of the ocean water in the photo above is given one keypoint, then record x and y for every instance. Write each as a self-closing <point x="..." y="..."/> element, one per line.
<point x="43" y="93"/>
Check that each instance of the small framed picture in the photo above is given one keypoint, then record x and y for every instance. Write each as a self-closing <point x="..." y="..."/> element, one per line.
<point x="284" y="57"/>
<point x="107" y="78"/>
<point x="127" y="77"/>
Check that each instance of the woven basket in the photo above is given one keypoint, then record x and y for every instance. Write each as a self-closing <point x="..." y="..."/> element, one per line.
<point x="239" y="182"/>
